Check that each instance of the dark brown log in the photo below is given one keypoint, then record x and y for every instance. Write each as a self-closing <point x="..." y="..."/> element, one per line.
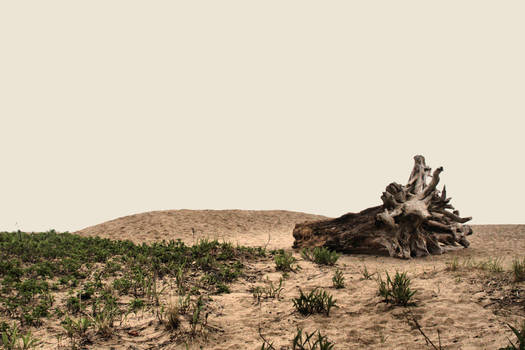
<point x="412" y="222"/>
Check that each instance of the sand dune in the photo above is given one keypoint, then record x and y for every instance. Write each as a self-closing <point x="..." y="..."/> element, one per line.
<point x="246" y="227"/>
<point x="469" y="307"/>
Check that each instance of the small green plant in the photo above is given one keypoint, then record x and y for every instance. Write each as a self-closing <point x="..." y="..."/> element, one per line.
<point x="183" y="303"/>
<point x="160" y="312"/>
<point x="274" y="291"/>
<point x="73" y="281"/>
<point x="338" y="279"/>
<point x="302" y="341"/>
<point x="206" y="262"/>
<point x="520" y="335"/>
<point x="87" y="292"/>
<point x="82" y="325"/>
<point x="453" y="265"/>
<point x="320" y="255"/>
<point x="222" y="288"/>
<point x="69" y="327"/>
<point x="396" y="291"/>
<point x="367" y="275"/>
<point x="195" y="318"/>
<point x="104" y="319"/>
<point x="311" y="341"/>
<point x="136" y="304"/>
<point x="285" y="261"/>
<point x="269" y="291"/>
<point x="180" y="277"/>
<point x="12" y="339"/>
<point x="76" y="328"/>
<point x="74" y="305"/>
<point x="122" y="285"/>
<point x="518" y="269"/>
<point x="317" y="301"/>
<point x="257" y="293"/>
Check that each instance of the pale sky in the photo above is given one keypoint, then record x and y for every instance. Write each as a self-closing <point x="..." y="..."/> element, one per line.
<point x="110" y="108"/>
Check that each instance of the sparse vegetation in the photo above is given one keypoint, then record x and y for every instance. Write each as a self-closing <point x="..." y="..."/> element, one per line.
<point x="285" y="261"/>
<point x="317" y="301"/>
<point x="311" y="341"/>
<point x="196" y="316"/>
<point x="76" y="329"/>
<point x="183" y="303"/>
<point x="320" y="255"/>
<point x="493" y="265"/>
<point x="338" y="279"/>
<point x="396" y="291"/>
<point x="13" y="339"/>
<point x="103" y="321"/>
<point x="453" y="264"/>
<point x="367" y="275"/>
<point x="268" y="291"/>
<point x="302" y="341"/>
<point x="91" y="288"/>
<point x="104" y="280"/>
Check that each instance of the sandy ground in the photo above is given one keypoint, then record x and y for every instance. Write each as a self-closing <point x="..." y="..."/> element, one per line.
<point x="469" y="307"/>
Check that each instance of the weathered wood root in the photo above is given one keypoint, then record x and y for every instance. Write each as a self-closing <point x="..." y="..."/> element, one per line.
<point x="413" y="221"/>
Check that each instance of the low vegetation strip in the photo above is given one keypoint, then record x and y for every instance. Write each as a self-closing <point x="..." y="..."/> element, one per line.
<point x="86" y="282"/>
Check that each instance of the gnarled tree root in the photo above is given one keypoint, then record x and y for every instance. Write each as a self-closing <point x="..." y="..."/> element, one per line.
<point x="415" y="220"/>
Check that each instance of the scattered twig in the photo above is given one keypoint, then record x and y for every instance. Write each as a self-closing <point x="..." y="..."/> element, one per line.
<point x="266" y="344"/>
<point x="411" y="317"/>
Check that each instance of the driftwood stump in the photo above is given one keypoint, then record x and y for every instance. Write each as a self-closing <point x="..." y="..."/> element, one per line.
<point x="415" y="220"/>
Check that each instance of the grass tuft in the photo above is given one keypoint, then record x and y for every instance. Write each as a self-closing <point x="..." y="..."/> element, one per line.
<point x="320" y="255"/>
<point x="338" y="279"/>
<point x="317" y="301"/>
<point x="267" y="292"/>
<point x="311" y="342"/>
<point x="302" y="341"/>
<point x="366" y="274"/>
<point x="453" y="265"/>
<point x="285" y="262"/>
<point x="172" y="317"/>
<point x="518" y="269"/>
<point x="493" y="265"/>
<point x="396" y="291"/>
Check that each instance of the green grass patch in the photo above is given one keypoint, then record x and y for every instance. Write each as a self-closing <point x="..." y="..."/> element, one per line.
<point x="96" y="273"/>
